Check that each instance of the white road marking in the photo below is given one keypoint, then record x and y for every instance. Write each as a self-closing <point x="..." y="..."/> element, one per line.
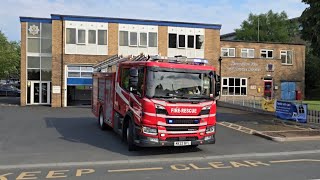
<point x="141" y="161"/>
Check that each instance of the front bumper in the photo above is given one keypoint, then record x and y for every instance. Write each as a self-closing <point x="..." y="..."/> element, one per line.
<point x="146" y="142"/>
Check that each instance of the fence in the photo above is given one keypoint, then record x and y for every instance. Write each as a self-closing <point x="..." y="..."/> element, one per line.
<point x="256" y="104"/>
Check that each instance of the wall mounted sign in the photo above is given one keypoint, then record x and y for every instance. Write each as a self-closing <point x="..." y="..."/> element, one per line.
<point x="56" y="89"/>
<point x="34" y="30"/>
<point x="253" y="87"/>
<point x="244" y="67"/>
<point x="270" y="67"/>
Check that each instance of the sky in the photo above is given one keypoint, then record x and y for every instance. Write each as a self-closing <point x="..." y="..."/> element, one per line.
<point x="229" y="13"/>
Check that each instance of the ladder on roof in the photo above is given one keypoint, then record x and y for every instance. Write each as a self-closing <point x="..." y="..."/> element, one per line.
<point x="115" y="59"/>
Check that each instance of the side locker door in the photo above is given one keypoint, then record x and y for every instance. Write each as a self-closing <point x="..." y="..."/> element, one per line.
<point x="108" y="100"/>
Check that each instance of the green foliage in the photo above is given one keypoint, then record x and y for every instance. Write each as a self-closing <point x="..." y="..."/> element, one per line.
<point x="9" y="57"/>
<point x="273" y="27"/>
<point x="310" y="21"/>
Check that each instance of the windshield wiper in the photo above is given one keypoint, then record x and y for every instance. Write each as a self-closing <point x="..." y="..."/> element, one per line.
<point x="197" y="97"/>
<point x="170" y="96"/>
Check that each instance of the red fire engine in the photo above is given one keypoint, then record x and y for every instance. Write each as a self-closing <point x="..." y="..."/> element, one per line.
<point x="155" y="101"/>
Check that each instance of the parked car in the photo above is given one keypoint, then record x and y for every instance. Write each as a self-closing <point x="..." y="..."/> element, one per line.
<point x="9" y="90"/>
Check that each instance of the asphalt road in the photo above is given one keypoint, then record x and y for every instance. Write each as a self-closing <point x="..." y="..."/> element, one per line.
<point x="44" y="140"/>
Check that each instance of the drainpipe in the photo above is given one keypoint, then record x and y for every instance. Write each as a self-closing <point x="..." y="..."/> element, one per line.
<point x="62" y="47"/>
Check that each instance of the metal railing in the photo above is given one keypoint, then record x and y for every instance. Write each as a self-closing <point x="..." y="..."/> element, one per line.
<point x="254" y="103"/>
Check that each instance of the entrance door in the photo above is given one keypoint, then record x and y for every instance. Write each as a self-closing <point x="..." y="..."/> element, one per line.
<point x="288" y="91"/>
<point x="40" y="92"/>
<point x="267" y="89"/>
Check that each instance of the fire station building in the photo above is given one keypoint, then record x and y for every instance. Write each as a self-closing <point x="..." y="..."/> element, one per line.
<point x="57" y="55"/>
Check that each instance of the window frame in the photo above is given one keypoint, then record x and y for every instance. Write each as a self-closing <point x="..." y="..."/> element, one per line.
<point x="147" y="40"/>
<point x="150" y="38"/>
<point x="227" y="50"/>
<point x="193" y="44"/>
<point x="96" y="36"/>
<point x="267" y="52"/>
<point x="247" y="50"/>
<point x="137" y="40"/>
<point x="234" y="86"/>
<point x="106" y="37"/>
<point x="127" y="45"/>
<point x="203" y="43"/>
<point x="178" y="41"/>
<point x="80" y="71"/>
<point x="85" y="37"/>
<point x="286" y="54"/>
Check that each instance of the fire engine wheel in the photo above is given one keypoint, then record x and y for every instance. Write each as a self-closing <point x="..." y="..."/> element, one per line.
<point x="130" y="136"/>
<point x="102" y="124"/>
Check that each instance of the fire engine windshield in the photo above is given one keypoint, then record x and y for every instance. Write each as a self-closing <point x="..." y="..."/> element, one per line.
<point x="185" y="85"/>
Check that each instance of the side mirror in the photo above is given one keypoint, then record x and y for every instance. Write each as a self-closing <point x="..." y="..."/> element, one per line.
<point x="133" y="80"/>
<point x="218" y="85"/>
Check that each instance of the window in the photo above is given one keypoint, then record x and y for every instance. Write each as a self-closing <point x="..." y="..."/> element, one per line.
<point x="190" y="41"/>
<point x="143" y="39"/>
<point x="133" y="38"/>
<point x="228" y="52"/>
<point x="102" y="37"/>
<point x="46" y="30"/>
<point x="81" y="36"/>
<point x="46" y="62"/>
<point x="268" y="54"/>
<point x="140" y="81"/>
<point x="123" y="38"/>
<point x="46" y="46"/>
<point x="172" y="40"/>
<point x="286" y="57"/>
<point x="33" y="62"/>
<point x="199" y="42"/>
<point x="125" y="75"/>
<point x="234" y="86"/>
<point x="71" y="36"/>
<point x="182" y="41"/>
<point x="247" y="53"/>
<point x="92" y="36"/>
<point x="153" y="39"/>
<point x="34" y="45"/>
<point x="33" y="29"/>
<point x="80" y="71"/>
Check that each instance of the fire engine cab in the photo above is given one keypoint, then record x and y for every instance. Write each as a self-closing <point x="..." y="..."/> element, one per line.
<point x="157" y="101"/>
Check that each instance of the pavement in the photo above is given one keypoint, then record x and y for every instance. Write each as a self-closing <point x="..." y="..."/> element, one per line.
<point x="67" y="143"/>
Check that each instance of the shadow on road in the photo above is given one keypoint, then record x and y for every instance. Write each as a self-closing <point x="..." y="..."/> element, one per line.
<point x="233" y="116"/>
<point x="85" y="130"/>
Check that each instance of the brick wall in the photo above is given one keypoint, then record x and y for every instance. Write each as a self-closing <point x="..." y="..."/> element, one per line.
<point x="295" y="72"/>
<point x="113" y="38"/>
<point x="212" y="46"/>
<point x="163" y="40"/>
<point x="23" y="65"/>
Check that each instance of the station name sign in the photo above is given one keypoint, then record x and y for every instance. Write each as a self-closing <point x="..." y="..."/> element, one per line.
<point x="244" y="67"/>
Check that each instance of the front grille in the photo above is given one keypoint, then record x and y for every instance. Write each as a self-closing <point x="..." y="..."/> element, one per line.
<point x="171" y="139"/>
<point x="182" y="121"/>
<point x="182" y="128"/>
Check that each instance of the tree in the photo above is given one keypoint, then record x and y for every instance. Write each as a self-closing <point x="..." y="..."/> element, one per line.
<point x="269" y="27"/>
<point x="310" y="22"/>
<point x="9" y="58"/>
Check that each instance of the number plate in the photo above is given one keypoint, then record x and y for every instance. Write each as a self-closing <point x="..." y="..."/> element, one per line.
<point x="182" y="143"/>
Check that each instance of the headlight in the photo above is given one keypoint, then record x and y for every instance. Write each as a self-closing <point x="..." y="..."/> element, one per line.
<point x="150" y="130"/>
<point x="205" y="110"/>
<point x="161" y="110"/>
<point x="210" y="129"/>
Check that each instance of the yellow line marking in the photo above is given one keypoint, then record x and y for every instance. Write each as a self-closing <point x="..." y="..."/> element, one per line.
<point x="295" y="160"/>
<point x="138" y="169"/>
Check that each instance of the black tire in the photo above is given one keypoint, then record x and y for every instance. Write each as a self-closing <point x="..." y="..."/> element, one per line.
<point x="103" y="126"/>
<point x="130" y="136"/>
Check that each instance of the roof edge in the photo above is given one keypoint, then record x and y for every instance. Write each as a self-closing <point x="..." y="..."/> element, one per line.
<point x="34" y="19"/>
<point x="134" y="21"/>
<point x="265" y="42"/>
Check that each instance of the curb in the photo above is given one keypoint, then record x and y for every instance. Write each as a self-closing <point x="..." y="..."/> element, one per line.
<point x="285" y="139"/>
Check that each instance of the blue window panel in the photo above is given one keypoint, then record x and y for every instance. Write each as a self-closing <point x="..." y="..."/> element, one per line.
<point x="288" y="91"/>
<point x="79" y="81"/>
